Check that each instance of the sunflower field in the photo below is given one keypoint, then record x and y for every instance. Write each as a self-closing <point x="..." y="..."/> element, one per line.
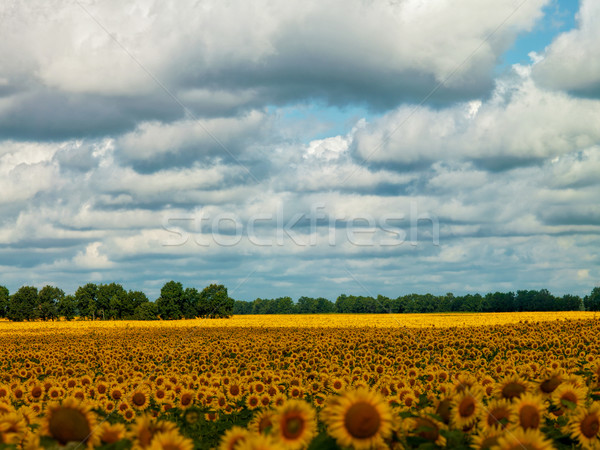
<point x="505" y="381"/>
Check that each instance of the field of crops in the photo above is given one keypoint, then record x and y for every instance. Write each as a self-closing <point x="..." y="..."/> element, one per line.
<point x="527" y="380"/>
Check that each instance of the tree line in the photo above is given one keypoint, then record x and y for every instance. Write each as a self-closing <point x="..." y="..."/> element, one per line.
<point x="523" y="300"/>
<point x="113" y="302"/>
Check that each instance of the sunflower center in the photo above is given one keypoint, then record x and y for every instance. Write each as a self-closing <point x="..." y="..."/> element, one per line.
<point x="186" y="399"/>
<point x="548" y="386"/>
<point x="362" y="420"/>
<point x="467" y="407"/>
<point x="570" y="397"/>
<point x="293" y="427"/>
<point x="36" y="392"/>
<point x="590" y="425"/>
<point x="234" y="390"/>
<point x="512" y="390"/>
<point x="68" y="425"/>
<point x="529" y="417"/>
<point x="138" y="399"/>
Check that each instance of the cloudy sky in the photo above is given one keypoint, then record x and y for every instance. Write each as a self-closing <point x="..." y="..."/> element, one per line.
<point x="301" y="147"/>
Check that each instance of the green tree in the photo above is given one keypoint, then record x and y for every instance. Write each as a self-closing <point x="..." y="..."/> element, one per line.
<point x="146" y="311"/>
<point x="214" y="302"/>
<point x="49" y="296"/>
<point x="189" y="303"/>
<point x="110" y="299"/>
<point x="592" y="301"/>
<point x="85" y="296"/>
<point x="4" y="298"/>
<point x="67" y="307"/>
<point x="169" y="303"/>
<point x="132" y="301"/>
<point x="569" y="302"/>
<point x="24" y="304"/>
<point x="241" y="307"/>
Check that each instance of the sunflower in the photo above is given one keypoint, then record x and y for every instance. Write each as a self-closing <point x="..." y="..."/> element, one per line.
<point x="170" y="440"/>
<point x="31" y="413"/>
<point x="519" y="439"/>
<point x="511" y="387"/>
<point x="55" y="393"/>
<point x="549" y="383"/>
<point x="186" y="399"/>
<point x="233" y="438"/>
<point x="101" y="388"/>
<point x="12" y="427"/>
<point x="568" y="397"/>
<point x="36" y="393"/>
<point x="262" y="421"/>
<point x="234" y="391"/>
<point x="529" y="411"/>
<point x="252" y="401"/>
<point x="6" y="408"/>
<point x="139" y="398"/>
<point x="5" y="393"/>
<point x="70" y="421"/>
<point x="497" y="415"/>
<point x="278" y="400"/>
<point x="294" y="424"/>
<point x="211" y="416"/>
<point x="318" y="401"/>
<point x="337" y="384"/>
<point x="360" y="418"/>
<point x="584" y="426"/>
<point x="112" y="433"/>
<point x="466" y="407"/>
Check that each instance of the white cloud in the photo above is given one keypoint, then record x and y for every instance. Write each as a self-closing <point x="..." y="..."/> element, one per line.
<point x="572" y="61"/>
<point x="520" y="122"/>
<point x="92" y="258"/>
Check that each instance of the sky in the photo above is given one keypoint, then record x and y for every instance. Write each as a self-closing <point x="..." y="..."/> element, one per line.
<point x="301" y="147"/>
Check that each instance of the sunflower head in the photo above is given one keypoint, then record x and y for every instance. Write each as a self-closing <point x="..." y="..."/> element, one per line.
<point x="511" y="388"/>
<point x="294" y="424"/>
<point x="262" y="422"/>
<point x="360" y="418"/>
<point x="529" y="411"/>
<point x="70" y="421"/>
<point x="466" y="407"/>
<point x="584" y="426"/>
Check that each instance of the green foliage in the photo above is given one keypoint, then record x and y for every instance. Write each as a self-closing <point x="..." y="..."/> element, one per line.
<point x="145" y="311"/>
<point x="67" y="307"/>
<point x="592" y="301"/>
<point x="4" y="298"/>
<point x="110" y="301"/>
<point x="214" y="302"/>
<point x="49" y="297"/>
<point x="85" y="296"/>
<point x="24" y="304"/>
<point x="170" y="301"/>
